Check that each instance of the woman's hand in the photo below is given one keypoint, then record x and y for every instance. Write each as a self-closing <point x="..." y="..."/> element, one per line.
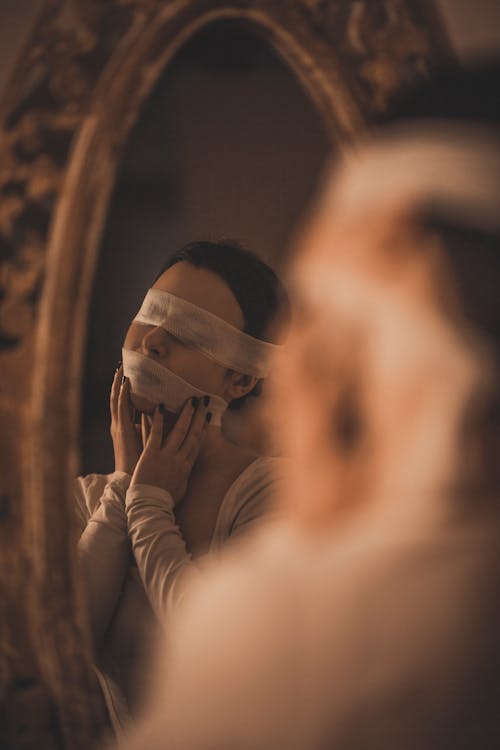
<point x="126" y="440"/>
<point x="168" y="463"/>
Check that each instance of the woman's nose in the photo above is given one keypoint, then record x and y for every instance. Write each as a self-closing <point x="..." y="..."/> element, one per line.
<point x="155" y="342"/>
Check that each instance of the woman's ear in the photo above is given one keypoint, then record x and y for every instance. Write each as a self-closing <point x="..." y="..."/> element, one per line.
<point x="238" y="385"/>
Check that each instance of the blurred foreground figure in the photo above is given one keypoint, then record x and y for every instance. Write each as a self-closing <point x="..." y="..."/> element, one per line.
<point x="369" y="618"/>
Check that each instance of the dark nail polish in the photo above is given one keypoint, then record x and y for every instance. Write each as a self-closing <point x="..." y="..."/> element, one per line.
<point x="208" y="416"/>
<point x="118" y="366"/>
<point x="206" y="400"/>
<point x="123" y="379"/>
<point x="194" y="402"/>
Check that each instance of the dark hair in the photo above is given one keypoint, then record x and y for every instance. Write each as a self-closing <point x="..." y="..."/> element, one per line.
<point x="259" y="292"/>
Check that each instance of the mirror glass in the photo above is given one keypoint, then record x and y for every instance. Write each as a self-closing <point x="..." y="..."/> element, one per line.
<point x="229" y="145"/>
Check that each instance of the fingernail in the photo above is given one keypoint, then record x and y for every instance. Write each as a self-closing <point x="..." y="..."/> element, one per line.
<point x="206" y="400"/>
<point x="123" y="379"/>
<point x="208" y="416"/>
<point x="194" y="402"/>
<point x="118" y="366"/>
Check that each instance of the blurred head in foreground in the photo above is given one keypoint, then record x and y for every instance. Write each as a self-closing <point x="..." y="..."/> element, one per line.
<point x="368" y="619"/>
<point x="393" y="365"/>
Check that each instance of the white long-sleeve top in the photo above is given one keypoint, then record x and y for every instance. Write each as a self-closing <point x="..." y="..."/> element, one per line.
<point x="136" y="566"/>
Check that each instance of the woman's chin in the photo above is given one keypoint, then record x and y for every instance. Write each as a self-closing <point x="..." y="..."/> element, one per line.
<point x="142" y="404"/>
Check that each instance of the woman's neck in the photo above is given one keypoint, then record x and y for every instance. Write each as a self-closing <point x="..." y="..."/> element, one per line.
<point x="213" y="445"/>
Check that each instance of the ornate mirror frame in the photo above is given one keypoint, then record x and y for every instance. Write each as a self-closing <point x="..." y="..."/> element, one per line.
<point x="66" y="115"/>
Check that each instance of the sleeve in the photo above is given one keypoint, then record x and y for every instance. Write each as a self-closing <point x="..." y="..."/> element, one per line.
<point x="162" y="558"/>
<point x="165" y="566"/>
<point x="104" y="552"/>
<point x="258" y="498"/>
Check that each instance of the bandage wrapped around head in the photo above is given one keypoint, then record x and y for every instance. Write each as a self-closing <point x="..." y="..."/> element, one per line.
<point x="197" y="329"/>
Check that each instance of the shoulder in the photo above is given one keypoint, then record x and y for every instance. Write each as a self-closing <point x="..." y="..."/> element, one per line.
<point x="261" y="473"/>
<point x="255" y="493"/>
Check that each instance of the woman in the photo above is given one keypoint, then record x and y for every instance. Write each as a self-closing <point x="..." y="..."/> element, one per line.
<point x="197" y="345"/>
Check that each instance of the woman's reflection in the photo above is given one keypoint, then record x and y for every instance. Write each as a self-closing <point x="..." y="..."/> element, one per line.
<point x="180" y="488"/>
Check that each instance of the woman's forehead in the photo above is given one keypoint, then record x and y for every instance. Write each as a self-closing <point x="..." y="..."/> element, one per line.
<point x="203" y="288"/>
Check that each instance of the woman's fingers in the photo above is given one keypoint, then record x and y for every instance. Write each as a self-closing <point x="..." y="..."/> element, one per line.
<point x="181" y="427"/>
<point x="156" y="432"/>
<point x="168" y="462"/>
<point x="126" y="441"/>
<point x="192" y="443"/>
<point x="145" y="428"/>
<point x="125" y="408"/>
<point x="115" y="392"/>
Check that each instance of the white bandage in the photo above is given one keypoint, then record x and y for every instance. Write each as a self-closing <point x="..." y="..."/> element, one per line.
<point x="206" y="332"/>
<point x="159" y="385"/>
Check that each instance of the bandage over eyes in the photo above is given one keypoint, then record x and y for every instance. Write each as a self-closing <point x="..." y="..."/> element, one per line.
<point x="155" y="383"/>
<point x="199" y="329"/>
